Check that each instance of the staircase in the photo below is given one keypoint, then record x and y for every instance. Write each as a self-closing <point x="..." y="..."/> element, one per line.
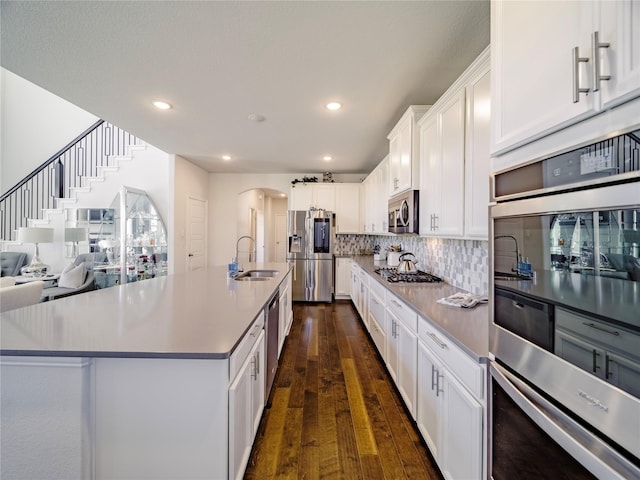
<point x="55" y="184"/>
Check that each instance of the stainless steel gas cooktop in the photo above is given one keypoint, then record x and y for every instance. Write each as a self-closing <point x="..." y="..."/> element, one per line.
<point x="391" y="275"/>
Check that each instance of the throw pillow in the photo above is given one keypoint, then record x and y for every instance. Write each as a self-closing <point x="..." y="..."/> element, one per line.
<point x="72" y="276"/>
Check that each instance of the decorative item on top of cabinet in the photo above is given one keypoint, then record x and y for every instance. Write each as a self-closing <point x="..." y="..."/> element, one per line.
<point x="404" y="152"/>
<point x="590" y="63"/>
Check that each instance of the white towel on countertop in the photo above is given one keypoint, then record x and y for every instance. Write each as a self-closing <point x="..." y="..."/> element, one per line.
<point x="464" y="300"/>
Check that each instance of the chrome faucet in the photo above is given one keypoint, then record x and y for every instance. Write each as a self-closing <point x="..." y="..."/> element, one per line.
<point x="515" y="240"/>
<point x="250" y="251"/>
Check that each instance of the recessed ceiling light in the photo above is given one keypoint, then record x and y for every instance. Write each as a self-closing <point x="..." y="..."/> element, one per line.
<point x="162" y="105"/>
<point x="226" y="158"/>
<point x="256" y="117"/>
<point x="334" y="106"/>
<point x="327" y="158"/>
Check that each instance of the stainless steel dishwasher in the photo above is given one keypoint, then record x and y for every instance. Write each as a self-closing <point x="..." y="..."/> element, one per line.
<point x="272" y="326"/>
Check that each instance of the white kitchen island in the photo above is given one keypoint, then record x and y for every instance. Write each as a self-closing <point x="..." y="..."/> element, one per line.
<point x="134" y="381"/>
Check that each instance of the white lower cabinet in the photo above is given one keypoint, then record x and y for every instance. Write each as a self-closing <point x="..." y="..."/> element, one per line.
<point x="377" y="322"/>
<point x="360" y="292"/>
<point x="246" y="402"/>
<point x="286" y="314"/>
<point x="402" y="344"/>
<point x="343" y="278"/>
<point x="449" y="416"/>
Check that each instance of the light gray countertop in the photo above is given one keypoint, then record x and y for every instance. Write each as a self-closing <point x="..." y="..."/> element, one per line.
<point x="610" y="299"/>
<point x="467" y="327"/>
<point x="199" y="314"/>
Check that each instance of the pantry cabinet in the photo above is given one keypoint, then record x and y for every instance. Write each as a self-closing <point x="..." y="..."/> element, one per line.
<point x="404" y="167"/>
<point x="454" y="158"/>
<point x="547" y="71"/>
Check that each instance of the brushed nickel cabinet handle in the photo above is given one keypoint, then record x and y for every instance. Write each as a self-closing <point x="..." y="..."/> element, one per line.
<point x="577" y="59"/>
<point x="597" y="75"/>
<point x="433" y="337"/>
<point x="602" y="329"/>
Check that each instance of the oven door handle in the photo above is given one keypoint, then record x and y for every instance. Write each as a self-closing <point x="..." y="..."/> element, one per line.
<point x="566" y="432"/>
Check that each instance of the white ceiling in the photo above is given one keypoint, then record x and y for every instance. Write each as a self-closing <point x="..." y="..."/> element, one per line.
<point x="219" y="62"/>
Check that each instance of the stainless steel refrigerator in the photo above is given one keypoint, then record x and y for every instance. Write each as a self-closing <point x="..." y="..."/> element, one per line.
<point x="310" y="248"/>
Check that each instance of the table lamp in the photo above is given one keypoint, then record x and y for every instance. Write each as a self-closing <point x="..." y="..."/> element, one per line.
<point x="74" y="235"/>
<point x="37" y="236"/>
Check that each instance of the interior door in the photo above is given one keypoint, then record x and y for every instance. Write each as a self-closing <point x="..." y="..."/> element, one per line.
<point x="197" y="234"/>
<point x="281" y="237"/>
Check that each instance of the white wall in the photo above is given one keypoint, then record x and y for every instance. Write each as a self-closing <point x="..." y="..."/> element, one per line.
<point x="28" y="112"/>
<point x="190" y="181"/>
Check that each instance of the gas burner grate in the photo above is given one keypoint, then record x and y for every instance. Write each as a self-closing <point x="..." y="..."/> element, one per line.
<point x="391" y="275"/>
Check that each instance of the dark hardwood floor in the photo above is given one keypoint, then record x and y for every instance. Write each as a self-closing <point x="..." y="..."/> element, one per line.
<point x="334" y="412"/>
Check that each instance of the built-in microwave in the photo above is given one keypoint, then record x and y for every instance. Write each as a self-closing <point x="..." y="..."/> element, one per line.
<point x="565" y="289"/>
<point x="403" y="212"/>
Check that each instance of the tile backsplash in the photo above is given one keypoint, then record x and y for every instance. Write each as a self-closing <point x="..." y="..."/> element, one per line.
<point x="462" y="263"/>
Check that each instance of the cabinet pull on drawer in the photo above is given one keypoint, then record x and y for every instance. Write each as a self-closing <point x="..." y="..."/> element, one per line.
<point x="605" y="330"/>
<point x="437" y="340"/>
<point x="255" y="331"/>
<point x="396" y="303"/>
<point x="597" y="76"/>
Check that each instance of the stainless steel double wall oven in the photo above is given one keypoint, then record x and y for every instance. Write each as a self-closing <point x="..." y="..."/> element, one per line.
<point x="565" y="337"/>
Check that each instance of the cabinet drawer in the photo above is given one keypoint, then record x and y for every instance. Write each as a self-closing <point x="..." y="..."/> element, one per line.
<point x="377" y="288"/>
<point x="469" y="372"/>
<point x="241" y="352"/>
<point x="377" y="333"/>
<point x="607" y="335"/>
<point x="402" y="312"/>
<point x="376" y="308"/>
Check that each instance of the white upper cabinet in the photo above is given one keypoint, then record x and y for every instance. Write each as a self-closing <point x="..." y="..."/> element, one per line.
<point x="454" y="158"/>
<point x="404" y="151"/>
<point x="545" y="62"/>
<point x="375" y="200"/>
<point x="303" y="196"/>
<point x="477" y="162"/>
<point x="347" y="207"/>
<point x="620" y="27"/>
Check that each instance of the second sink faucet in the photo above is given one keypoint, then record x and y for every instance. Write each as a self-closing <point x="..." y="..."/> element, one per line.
<point x="250" y="251"/>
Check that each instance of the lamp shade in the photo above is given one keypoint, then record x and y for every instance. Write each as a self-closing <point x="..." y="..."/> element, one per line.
<point x="35" y="235"/>
<point x="75" y="234"/>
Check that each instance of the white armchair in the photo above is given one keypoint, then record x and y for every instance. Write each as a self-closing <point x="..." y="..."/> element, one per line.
<point x="21" y="295"/>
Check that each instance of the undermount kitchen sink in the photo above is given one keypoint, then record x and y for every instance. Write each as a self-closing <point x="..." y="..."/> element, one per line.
<point x="256" y="275"/>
